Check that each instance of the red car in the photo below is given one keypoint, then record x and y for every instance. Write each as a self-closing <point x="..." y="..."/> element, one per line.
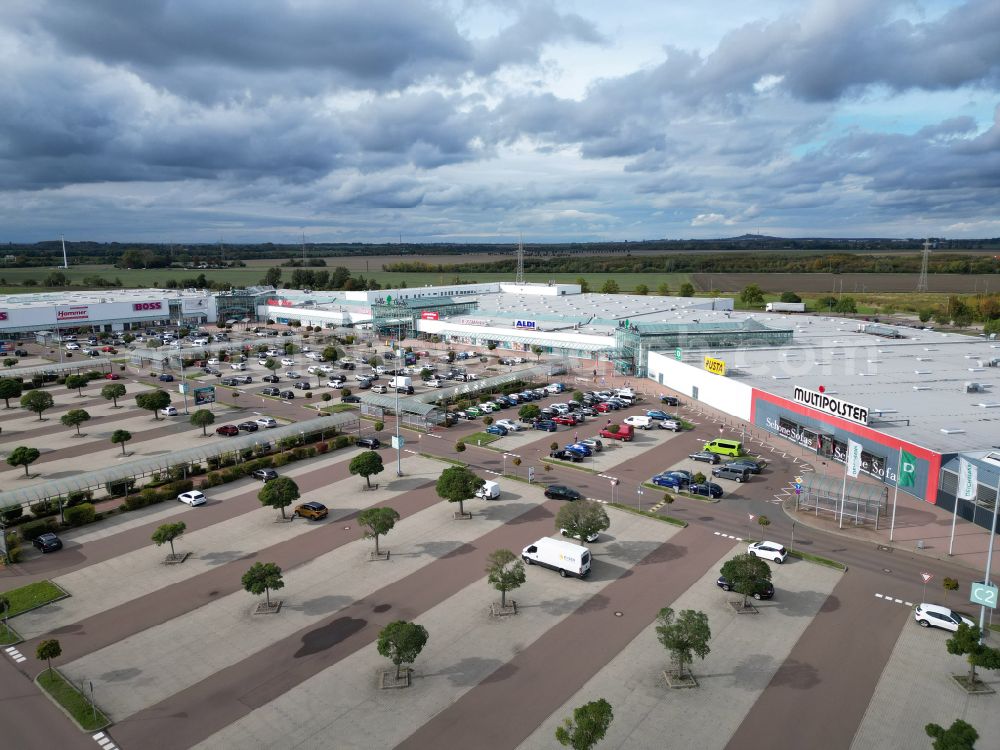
<point x="602" y="407"/>
<point x="229" y="430"/>
<point x="112" y="376"/>
<point x="565" y="419"/>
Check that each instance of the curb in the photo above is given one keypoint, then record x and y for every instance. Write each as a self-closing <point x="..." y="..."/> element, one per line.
<point x="58" y="705"/>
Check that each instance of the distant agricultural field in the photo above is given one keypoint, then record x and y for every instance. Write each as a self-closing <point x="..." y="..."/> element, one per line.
<point x="847" y="283"/>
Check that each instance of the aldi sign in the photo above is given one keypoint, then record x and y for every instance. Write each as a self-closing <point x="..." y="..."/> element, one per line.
<point x="525" y="325"/>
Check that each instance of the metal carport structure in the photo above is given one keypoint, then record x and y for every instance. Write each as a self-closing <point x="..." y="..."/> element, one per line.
<point x="68" y="368"/>
<point x="860" y="501"/>
<point x="89" y="480"/>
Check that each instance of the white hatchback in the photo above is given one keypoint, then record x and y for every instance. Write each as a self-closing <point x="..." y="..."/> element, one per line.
<point x="288" y="362"/>
<point x="192" y="498"/>
<point x="509" y="424"/>
<point x="769" y="551"/>
<point x="238" y="365"/>
<point x="169" y="411"/>
<point x="267" y="422"/>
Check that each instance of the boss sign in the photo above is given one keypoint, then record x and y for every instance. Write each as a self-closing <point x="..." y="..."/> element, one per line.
<point x="141" y="306"/>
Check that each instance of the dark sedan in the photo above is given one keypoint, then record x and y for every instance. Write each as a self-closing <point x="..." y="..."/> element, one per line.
<point x="708" y="489"/>
<point x="562" y="492"/>
<point x="760" y="589"/>
<point x="47" y="542"/>
<point x="248" y="426"/>
<point x="351" y="400"/>
<point x="270" y="391"/>
<point x="567" y="455"/>
<point x="372" y="443"/>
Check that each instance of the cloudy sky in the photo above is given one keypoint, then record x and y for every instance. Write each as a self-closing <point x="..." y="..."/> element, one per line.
<point x="452" y="120"/>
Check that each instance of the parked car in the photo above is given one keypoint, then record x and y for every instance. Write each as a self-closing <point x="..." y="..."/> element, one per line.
<point x="657" y="414"/>
<point x="545" y="424"/>
<point x="594" y="444"/>
<point x="311" y="510"/>
<point x="566" y="419"/>
<point x="760" y="590"/>
<point x="674" y="481"/>
<point x="625" y="433"/>
<point x="244" y="379"/>
<point x="670" y="400"/>
<point x="567" y="455"/>
<point x="238" y="366"/>
<point x="169" y="411"/>
<point x="229" y="430"/>
<point x="496" y="429"/>
<point x="302" y="385"/>
<point x="753" y="465"/>
<point x="562" y="492"/>
<point x="264" y="475"/>
<point x="706" y="489"/>
<point x="267" y="422"/>
<point x="112" y="376"/>
<point x="936" y="616"/>
<point x="287" y="362"/>
<point x="509" y="424"/>
<point x="706" y="456"/>
<point x="270" y="391"/>
<point x="738" y="474"/>
<point x="166" y="378"/>
<point x="248" y="426"/>
<point x="379" y="389"/>
<point x="271" y="378"/>
<point x="47" y="542"/>
<point x="670" y="424"/>
<point x="371" y="443"/>
<point x="287" y="395"/>
<point x="772" y="551"/>
<point x="352" y="399"/>
<point x="581" y="448"/>
<point x="192" y="498"/>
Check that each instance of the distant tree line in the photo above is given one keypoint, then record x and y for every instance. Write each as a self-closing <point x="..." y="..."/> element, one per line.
<point x="774" y="262"/>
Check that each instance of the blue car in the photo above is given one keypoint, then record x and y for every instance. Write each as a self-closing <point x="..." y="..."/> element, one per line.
<point x="669" y="480"/>
<point x="495" y="429"/>
<point x="657" y="414"/>
<point x="545" y="424"/>
<point x="583" y="450"/>
<point x="166" y="378"/>
<point x="708" y="489"/>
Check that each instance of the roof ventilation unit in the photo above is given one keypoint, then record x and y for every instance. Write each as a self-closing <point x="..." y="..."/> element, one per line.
<point x="971" y="387"/>
<point x="952" y="430"/>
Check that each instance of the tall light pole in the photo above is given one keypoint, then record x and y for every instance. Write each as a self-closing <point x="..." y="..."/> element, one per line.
<point x="399" y="445"/>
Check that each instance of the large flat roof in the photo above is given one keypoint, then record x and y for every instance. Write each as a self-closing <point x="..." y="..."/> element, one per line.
<point x="96" y="296"/>
<point x="921" y="377"/>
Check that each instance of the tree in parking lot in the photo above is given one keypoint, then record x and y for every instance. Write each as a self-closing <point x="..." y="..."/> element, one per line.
<point x="553" y="446"/>
<point x="153" y="401"/>
<point x="529" y="412"/>
<point x="763" y="521"/>
<point x="9" y="362"/>
<point x="121" y="437"/>
<point x="37" y="401"/>
<point x="379" y="426"/>
<point x="537" y="351"/>
<point x="959" y="736"/>
<point x="272" y="364"/>
<point x="685" y="634"/>
<point x="401" y="642"/>
<point x="330" y="354"/>
<point x="113" y="392"/>
<point x="203" y="418"/>
<point x="578" y="396"/>
<point x="698" y="478"/>
<point x="966" y="641"/>
<point x="263" y="578"/>
<point x="457" y="484"/>
<point x="23" y="456"/>
<point x="367" y="465"/>
<point x="77" y="382"/>
<point x="75" y="418"/>
<point x="505" y="572"/>
<point x="377" y="522"/>
<point x="588" y="726"/>
<point x="10" y="388"/>
<point x="279" y="493"/>
<point x="166" y="534"/>
<point x="746" y="573"/>
<point x="582" y="519"/>
<point x="48" y="650"/>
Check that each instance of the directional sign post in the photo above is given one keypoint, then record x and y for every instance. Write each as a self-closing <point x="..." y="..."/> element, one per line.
<point x="926" y="577"/>
<point x="984" y="594"/>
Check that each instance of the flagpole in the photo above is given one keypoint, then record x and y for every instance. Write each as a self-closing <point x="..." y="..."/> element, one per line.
<point x="843" y="494"/>
<point x="895" y="494"/>
<point x="989" y="560"/>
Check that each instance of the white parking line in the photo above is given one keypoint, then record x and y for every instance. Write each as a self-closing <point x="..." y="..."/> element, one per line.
<point x="16" y="655"/>
<point x="104" y="741"/>
<point x="893" y="600"/>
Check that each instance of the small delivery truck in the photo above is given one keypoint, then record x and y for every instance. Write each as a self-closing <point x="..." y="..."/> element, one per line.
<point x="400" y="381"/>
<point x="568" y="558"/>
<point x="625" y="433"/>
<point x="489" y="490"/>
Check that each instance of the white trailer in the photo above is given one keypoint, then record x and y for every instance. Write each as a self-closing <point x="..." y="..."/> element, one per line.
<point x="400" y="381"/>
<point x="786" y="307"/>
<point x="568" y="558"/>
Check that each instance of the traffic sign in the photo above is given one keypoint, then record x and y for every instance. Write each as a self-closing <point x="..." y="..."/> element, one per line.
<point x="798" y="480"/>
<point x="983" y="593"/>
<point x="678" y="354"/>
<point x="926" y="577"/>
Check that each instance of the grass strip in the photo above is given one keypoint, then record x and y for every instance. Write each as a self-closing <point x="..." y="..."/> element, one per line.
<point x="681" y="493"/>
<point x="8" y="636"/>
<point x="817" y="559"/>
<point x="32" y="596"/>
<point x="480" y="439"/>
<point x="444" y="458"/>
<point x="72" y="700"/>
<point x="337" y="408"/>
<point x="569" y="465"/>
<point x="649" y="514"/>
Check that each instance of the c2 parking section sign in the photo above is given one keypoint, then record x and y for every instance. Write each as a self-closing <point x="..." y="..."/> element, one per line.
<point x="204" y="395"/>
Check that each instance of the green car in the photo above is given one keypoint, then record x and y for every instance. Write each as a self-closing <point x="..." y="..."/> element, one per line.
<point x="473" y="411"/>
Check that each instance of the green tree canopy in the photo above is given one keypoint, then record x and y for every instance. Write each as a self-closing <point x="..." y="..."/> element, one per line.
<point x="505" y="572"/>
<point x="790" y="297"/>
<point x="37" y="401"/>
<point x="588" y="726"/>
<point x="966" y="642"/>
<point x="120" y="437"/>
<point x="582" y="519"/>
<point x="77" y="382"/>
<point x="279" y="493"/>
<point x="684" y="635"/>
<point x="272" y="364"/>
<point x="153" y="401"/>
<point x="263" y="578"/>
<point x="584" y="285"/>
<point x="203" y="418"/>
<point x="367" y="465"/>
<point x="48" y="650"/>
<point x="747" y="574"/>
<point x="24" y="456"/>
<point x="401" y="642"/>
<point x="752" y="296"/>
<point x="10" y="388"/>
<point x="610" y="287"/>
<point x="664" y="289"/>
<point x="846" y="305"/>
<point x="959" y="736"/>
<point x="167" y="533"/>
<point x="75" y="418"/>
<point x="457" y="484"/>
<point x="642" y="290"/>
<point x="377" y="522"/>
<point x="113" y="392"/>
<point x="687" y="289"/>
<point x="529" y="411"/>
<point x="331" y="354"/>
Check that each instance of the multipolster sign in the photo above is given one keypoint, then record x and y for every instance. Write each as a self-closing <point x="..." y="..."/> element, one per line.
<point x="831" y="405"/>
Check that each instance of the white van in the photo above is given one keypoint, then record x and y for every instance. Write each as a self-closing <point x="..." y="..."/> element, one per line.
<point x="489" y="490"/>
<point x="568" y="558"/>
<point x="200" y="342"/>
